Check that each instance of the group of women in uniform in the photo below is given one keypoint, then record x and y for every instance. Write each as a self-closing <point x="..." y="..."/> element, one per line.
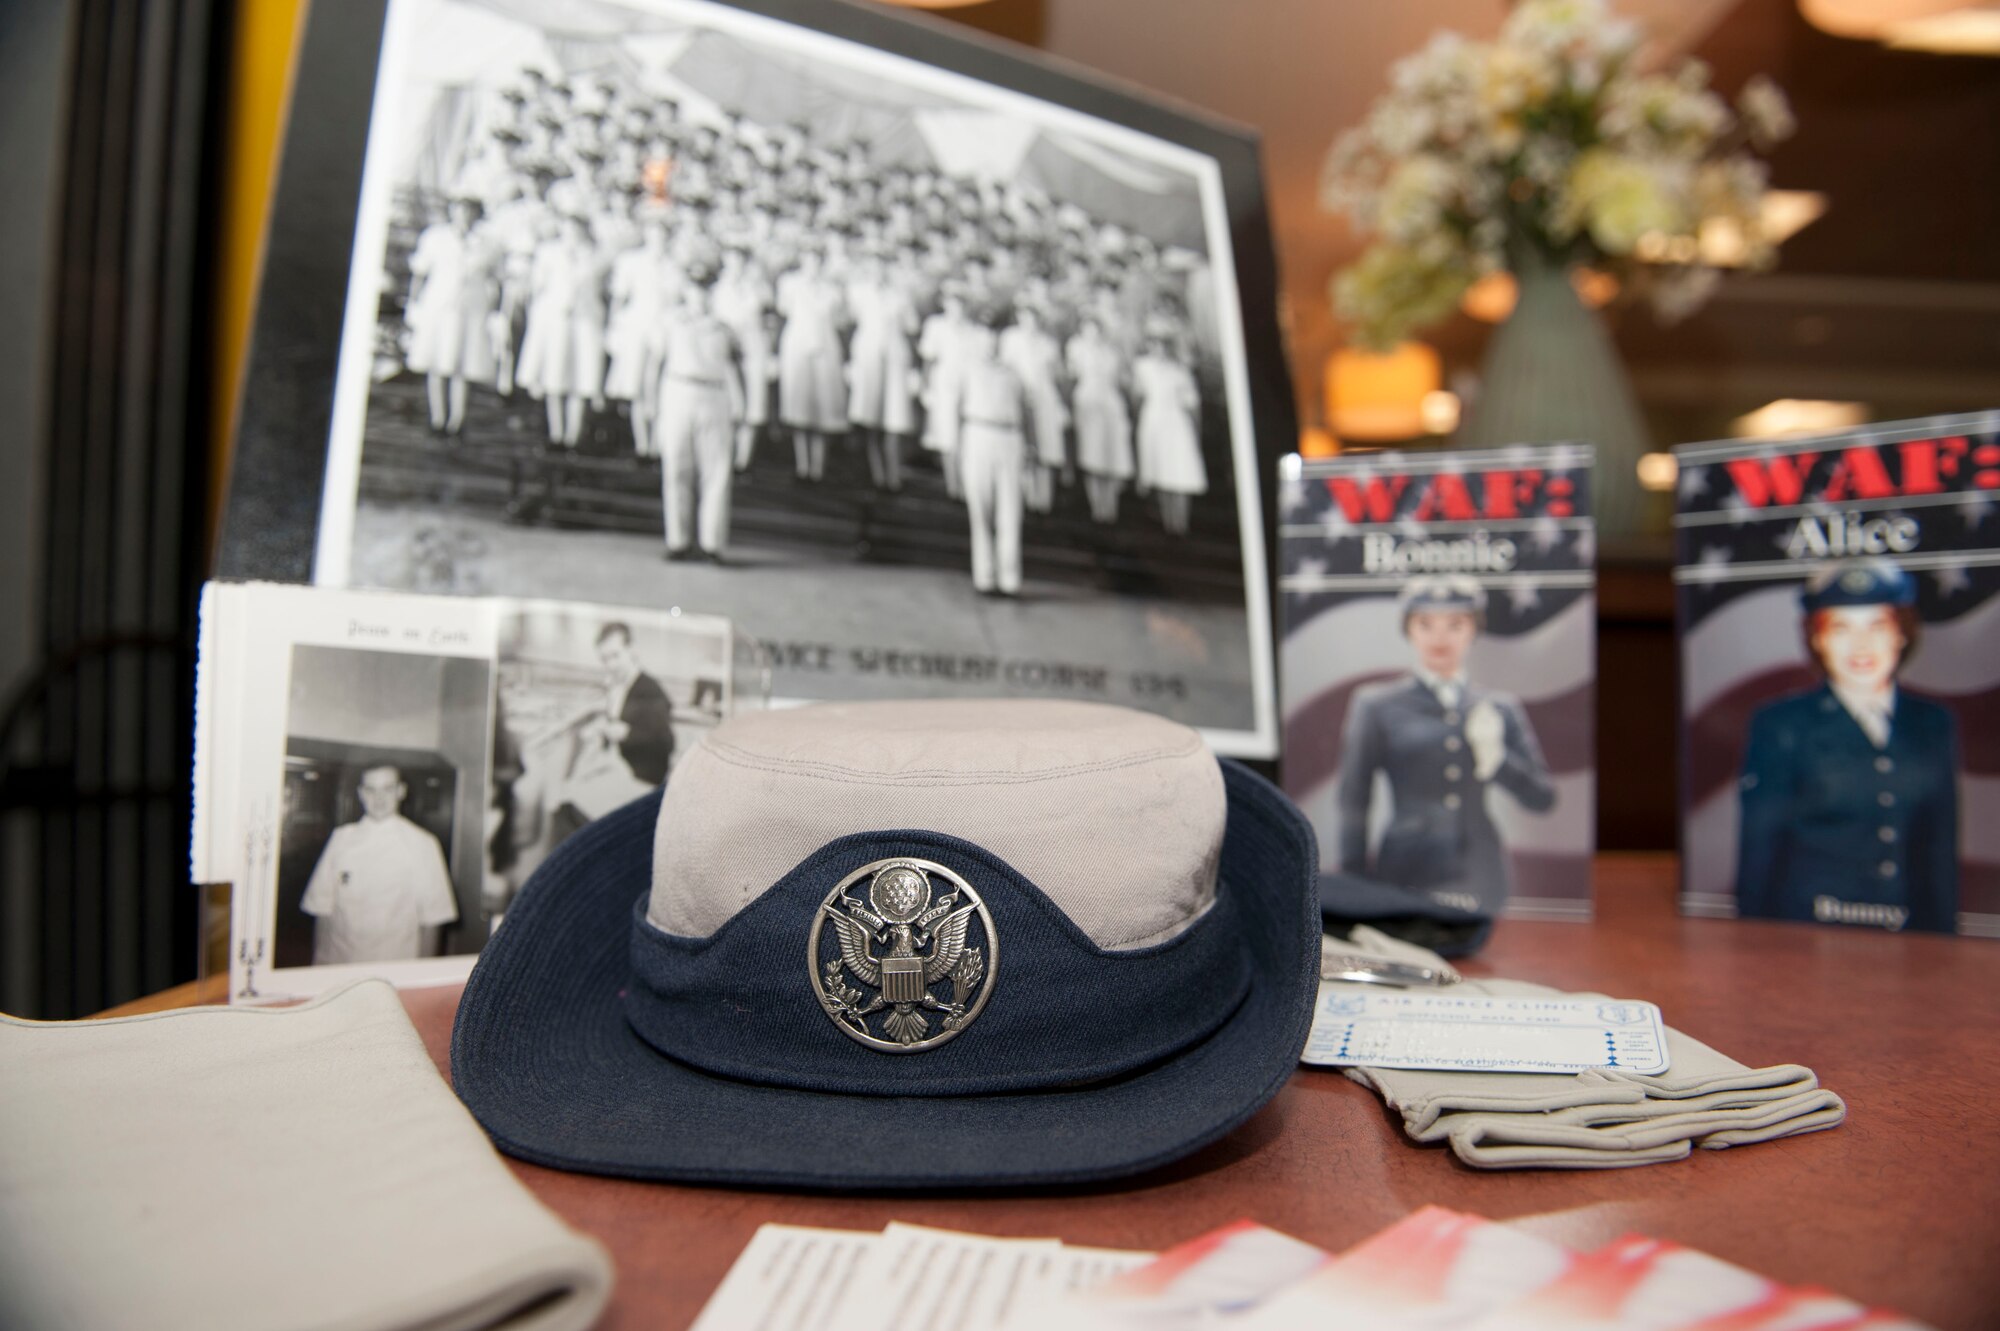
<point x="857" y="294"/>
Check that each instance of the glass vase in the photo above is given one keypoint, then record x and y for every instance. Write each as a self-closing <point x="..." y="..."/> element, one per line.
<point x="1552" y="375"/>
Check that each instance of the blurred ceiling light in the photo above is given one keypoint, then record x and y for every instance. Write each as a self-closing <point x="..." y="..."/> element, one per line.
<point x="1794" y="415"/>
<point x="1786" y="212"/>
<point x="1492" y="297"/>
<point x="1723" y="243"/>
<point x="1596" y="288"/>
<point x="1316" y="441"/>
<point x="1379" y="396"/>
<point x="1950" y="27"/>
<point x="1974" y="30"/>
<point x="1866" y="19"/>
<point x="1658" y="471"/>
<point x="1439" y="411"/>
<point x="1665" y="248"/>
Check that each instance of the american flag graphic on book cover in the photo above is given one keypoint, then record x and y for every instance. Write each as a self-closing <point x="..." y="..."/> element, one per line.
<point x="1438" y="671"/>
<point x="1840" y="676"/>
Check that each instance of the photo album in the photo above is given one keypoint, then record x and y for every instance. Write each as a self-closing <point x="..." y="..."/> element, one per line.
<point x="1840" y="677"/>
<point x="376" y="774"/>
<point x="1439" y="668"/>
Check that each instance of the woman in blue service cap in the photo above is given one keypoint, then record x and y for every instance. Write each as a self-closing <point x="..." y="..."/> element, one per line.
<point x="1850" y="790"/>
<point x="1441" y="742"/>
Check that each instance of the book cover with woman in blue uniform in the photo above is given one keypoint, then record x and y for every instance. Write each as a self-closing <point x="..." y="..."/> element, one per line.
<point x="1849" y="791"/>
<point x="1437" y="741"/>
<point x="1840" y="649"/>
<point x="1439" y="679"/>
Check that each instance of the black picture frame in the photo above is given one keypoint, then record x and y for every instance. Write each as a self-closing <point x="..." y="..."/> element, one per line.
<point x="269" y="526"/>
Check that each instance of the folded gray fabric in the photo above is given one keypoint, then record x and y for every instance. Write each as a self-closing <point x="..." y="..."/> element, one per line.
<point x="1602" y="1118"/>
<point x="1493" y="1155"/>
<point x="1547" y="1140"/>
<point x="1422" y="1097"/>
<point x="265" y="1169"/>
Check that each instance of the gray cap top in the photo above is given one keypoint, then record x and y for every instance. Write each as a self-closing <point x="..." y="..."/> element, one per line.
<point x="1117" y="815"/>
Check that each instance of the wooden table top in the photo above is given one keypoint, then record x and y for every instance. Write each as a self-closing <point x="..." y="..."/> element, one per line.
<point x="1899" y="1207"/>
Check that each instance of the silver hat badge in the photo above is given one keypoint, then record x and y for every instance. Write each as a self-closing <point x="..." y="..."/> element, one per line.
<point x="925" y="946"/>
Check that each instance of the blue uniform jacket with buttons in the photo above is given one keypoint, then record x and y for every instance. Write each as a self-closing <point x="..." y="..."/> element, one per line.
<point x="1835" y="829"/>
<point x="1440" y="838"/>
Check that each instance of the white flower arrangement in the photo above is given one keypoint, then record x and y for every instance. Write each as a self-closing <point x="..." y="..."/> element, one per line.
<point x="1547" y="145"/>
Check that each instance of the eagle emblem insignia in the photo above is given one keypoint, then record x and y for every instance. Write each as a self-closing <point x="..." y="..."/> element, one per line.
<point x="926" y="960"/>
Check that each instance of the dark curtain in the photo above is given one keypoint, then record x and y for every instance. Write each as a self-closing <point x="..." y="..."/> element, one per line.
<point x="96" y="738"/>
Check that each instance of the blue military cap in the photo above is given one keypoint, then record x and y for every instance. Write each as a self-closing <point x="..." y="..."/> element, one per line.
<point x="1858" y="582"/>
<point x="1348" y="899"/>
<point x="904" y="945"/>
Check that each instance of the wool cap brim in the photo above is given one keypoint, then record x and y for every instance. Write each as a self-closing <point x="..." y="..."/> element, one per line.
<point x="543" y="1055"/>
<point x="1348" y="899"/>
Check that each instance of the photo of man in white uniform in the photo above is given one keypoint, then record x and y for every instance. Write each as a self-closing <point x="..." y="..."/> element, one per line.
<point x="381" y="890"/>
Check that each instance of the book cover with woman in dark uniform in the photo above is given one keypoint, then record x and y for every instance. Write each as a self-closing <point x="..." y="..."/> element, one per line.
<point x="1840" y="669"/>
<point x="1438" y="669"/>
<point x="1849" y="790"/>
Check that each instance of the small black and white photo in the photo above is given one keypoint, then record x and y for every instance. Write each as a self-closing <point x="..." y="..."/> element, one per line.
<point x="382" y="819"/>
<point x="593" y="707"/>
<point x="378" y="773"/>
<point x="938" y="388"/>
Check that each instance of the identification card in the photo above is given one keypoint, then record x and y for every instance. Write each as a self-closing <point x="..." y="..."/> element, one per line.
<point x="1355" y="1026"/>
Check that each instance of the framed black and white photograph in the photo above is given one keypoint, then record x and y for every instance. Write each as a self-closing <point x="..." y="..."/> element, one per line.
<point x="939" y="370"/>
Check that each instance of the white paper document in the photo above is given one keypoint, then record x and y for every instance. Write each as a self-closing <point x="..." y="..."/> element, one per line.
<point x="793" y="1277"/>
<point x="1358" y="1026"/>
<point x="936" y="1277"/>
<point x="787" y="1276"/>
